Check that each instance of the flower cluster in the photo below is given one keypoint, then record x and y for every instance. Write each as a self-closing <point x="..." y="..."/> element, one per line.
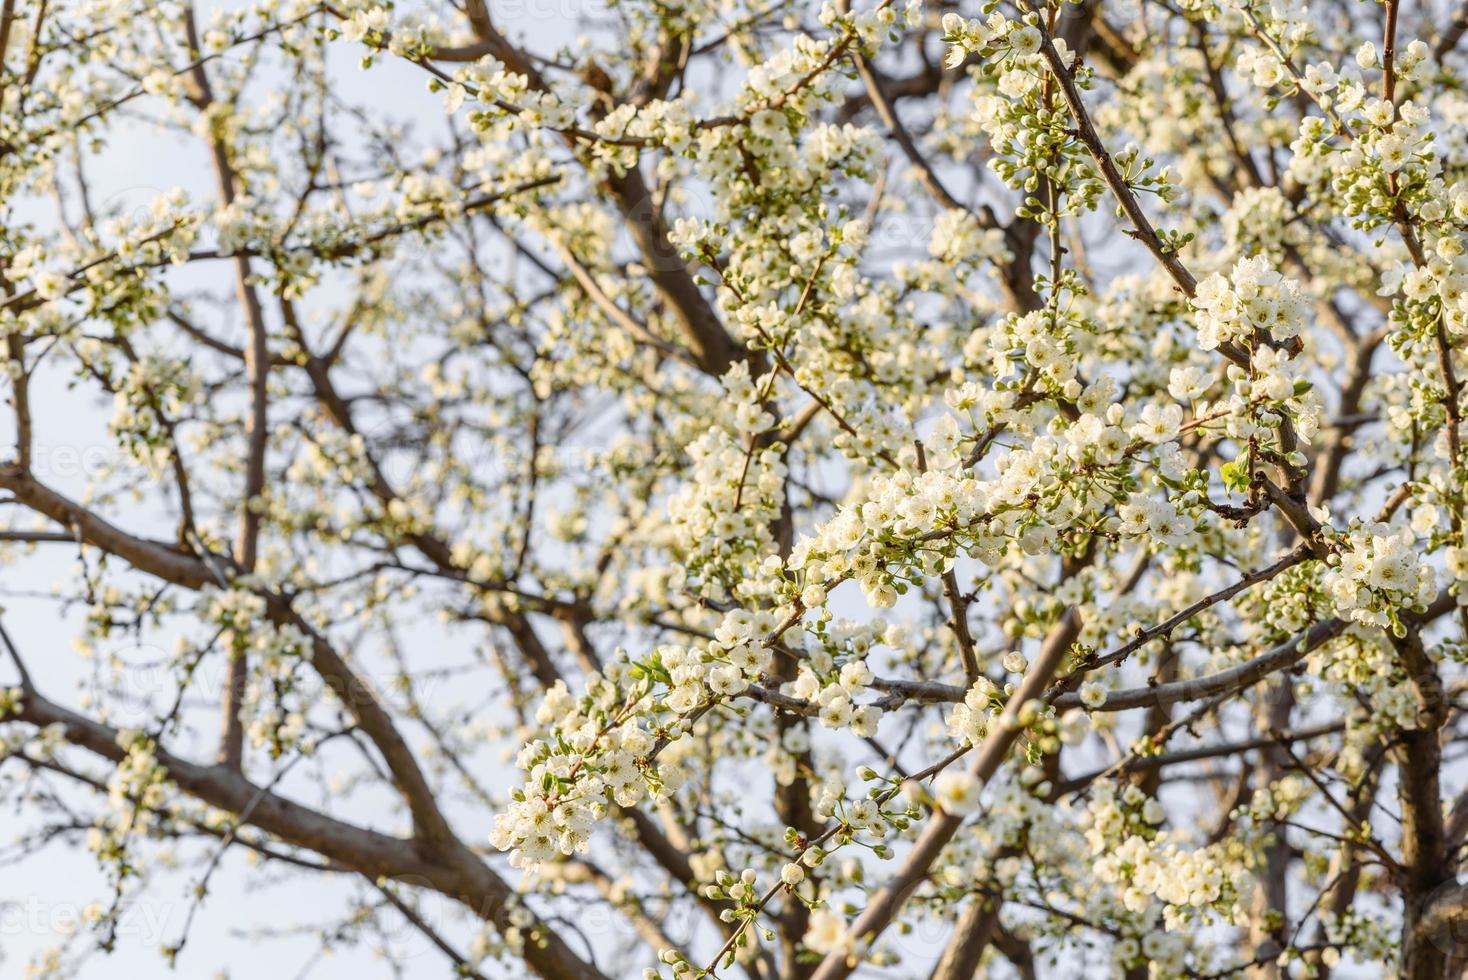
<point x="596" y="752"/>
<point x="1378" y="572"/>
<point x="969" y="720"/>
<point x="1254" y="300"/>
<point x="1147" y="864"/>
<point x="839" y="709"/>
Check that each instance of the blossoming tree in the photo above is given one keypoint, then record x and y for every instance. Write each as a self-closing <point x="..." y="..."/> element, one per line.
<point x="916" y="489"/>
